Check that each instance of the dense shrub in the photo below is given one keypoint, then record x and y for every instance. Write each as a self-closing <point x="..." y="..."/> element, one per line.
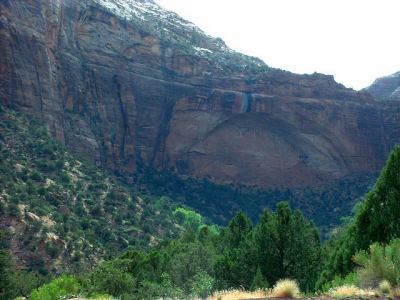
<point x="112" y="278"/>
<point x="60" y="287"/>
<point x="202" y="285"/>
<point x="380" y="263"/>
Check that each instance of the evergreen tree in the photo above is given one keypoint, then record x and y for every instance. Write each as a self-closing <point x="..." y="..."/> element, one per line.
<point x="288" y="246"/>
<point x="237" y="230"/>
<point x="258" y="281"/>
<point x="234" y="267"/>
<point x="377" y="220"/>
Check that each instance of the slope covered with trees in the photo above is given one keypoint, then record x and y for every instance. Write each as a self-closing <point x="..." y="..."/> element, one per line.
<point x="63" y="213"/>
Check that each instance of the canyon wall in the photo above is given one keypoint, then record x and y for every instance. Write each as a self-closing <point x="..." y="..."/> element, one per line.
<point x="122" y="82"/>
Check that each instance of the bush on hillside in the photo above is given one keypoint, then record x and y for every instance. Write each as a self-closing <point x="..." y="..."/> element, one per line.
<point x="64" y="286"/>
<point x="202" y="285"/>
<point x="112" y="278"/>
<point x="349" y="280"/>
<point x="380" y="263"/>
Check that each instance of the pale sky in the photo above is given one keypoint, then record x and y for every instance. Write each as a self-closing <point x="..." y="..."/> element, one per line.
<point x="357" y="41"/>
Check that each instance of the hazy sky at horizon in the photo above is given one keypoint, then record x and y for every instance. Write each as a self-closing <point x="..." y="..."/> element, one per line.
<point x="357" y="41"/>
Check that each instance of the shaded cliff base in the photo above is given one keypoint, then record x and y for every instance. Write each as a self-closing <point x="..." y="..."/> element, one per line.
<point x="328" y="205"/>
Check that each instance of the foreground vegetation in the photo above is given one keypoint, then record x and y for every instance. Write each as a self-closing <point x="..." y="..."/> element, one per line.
<point x="118" y="243"/>
<point x="282" y="245"/>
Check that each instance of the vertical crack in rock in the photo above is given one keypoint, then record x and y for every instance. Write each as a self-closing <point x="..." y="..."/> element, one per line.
<point x="159" y="149"/>
<point x="124" y="120"/>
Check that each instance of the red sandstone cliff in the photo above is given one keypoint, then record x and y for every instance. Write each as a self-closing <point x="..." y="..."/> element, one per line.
<point x="122" y="81"/>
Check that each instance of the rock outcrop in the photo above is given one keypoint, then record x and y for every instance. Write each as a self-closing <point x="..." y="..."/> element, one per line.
<point x="123" y="81"/>
<point x="387" y="87"/>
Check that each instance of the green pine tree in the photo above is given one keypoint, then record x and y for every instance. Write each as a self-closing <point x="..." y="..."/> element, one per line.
<point x="288" y="246"/>
<point x="234" y="264"/>
<point x="377" y="220"/>
<point x="258" y="281"/>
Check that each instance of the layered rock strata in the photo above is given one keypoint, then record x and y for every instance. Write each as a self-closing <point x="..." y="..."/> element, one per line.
<point x="122" y="82"/>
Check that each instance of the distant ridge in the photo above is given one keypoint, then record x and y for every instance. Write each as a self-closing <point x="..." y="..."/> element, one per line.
<point x="386" y="88"/>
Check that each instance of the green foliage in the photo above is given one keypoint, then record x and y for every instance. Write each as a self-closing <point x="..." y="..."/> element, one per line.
<point x="258" y="281"/>
<point x="37" y="173"/>
<point x="6" y="275"/>
<point x="350" y="279"/>
<point x="196" y="264"/>
<point x="375" y="221"/>
<point x="202" y="285"/>
<point x="13" y="210"/>
<point x="380" y="263"/>
<point x="234" y="266"/>
<point x="168" y="290"/>
<point x="7" y="288"/>
<point x="384" y="287"/>
<point x="325" y="205"/>
<point x="282" y="245"/>
<point x="52" y="250"/>
<point x="112" y="278"/>
<point x="148" y="290"/>
<point x="188" y="219"/>
<point x="192" y="257"/>
<point x="60" y="287"/>
<point x="206" y="229"/>
<point x="238" y="229"/>
<point x="13" y="284"/>
<point x="25" y="282"/>
<point x="174" y="269"/>
<point x="288" y="246"/>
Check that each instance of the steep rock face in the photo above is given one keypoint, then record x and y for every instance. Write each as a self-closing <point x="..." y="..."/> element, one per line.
<point x="123" y="82"/>
<point x="387" y="87"/>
